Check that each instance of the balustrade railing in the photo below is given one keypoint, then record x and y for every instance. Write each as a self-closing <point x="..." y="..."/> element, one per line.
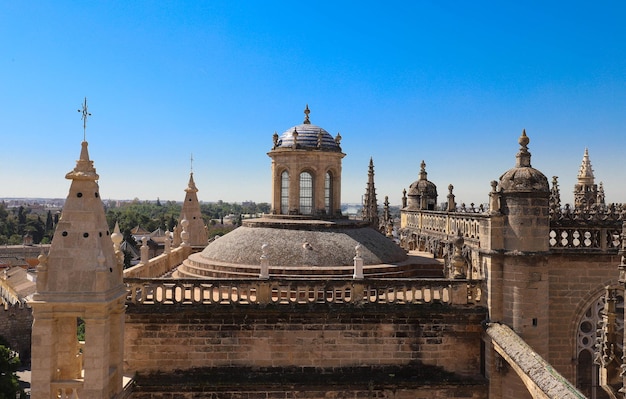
<point x="585" y="237"/>
<point x="287" y="292"/>
<point x="445" y="223"/>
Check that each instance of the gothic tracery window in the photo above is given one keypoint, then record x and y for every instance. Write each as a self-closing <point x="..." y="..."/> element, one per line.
<point x="587" y="370"/>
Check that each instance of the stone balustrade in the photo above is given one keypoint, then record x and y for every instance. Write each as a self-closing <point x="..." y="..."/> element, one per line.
<point x="566" y="233"/>
<point x="289" y="292"/>
<point x="585" y="237"/>
<point x="446" y="223"/>
<point x="159" y="265"/>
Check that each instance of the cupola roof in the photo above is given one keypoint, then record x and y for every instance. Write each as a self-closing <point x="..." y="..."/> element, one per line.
<point x="422" y="186"/>
<point x="523" y="177"/>
<point x="308" y="136"/>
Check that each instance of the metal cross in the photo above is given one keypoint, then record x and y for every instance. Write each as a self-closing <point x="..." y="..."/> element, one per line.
<point x="84" y="118"/>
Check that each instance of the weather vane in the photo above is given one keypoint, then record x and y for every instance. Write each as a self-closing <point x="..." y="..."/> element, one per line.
<point x="84" y="118"/>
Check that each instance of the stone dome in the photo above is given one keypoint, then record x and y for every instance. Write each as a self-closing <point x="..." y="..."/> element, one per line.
<point x="422" y="192"/>
<point x="422" y="186"/>
<point x="309" y="136"/>
<point x="309" y="244"/>
<point x="523" y="177"/>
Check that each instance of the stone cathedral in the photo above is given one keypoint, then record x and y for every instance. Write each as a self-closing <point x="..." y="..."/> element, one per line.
<point x="521" y="297"/>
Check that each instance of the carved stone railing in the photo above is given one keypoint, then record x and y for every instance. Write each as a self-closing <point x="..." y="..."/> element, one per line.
<point x="445" y="223"/>
<point x="289" y="292"/>
<point x="585" y="237"/>
<point x="159" y="265"/>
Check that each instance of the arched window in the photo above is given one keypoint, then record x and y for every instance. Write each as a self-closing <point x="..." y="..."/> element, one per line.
<point x="284" y="193"/>
<point x="306" y="193"/>
<point x="586" y="369"/>
<point x="328" y="193"/>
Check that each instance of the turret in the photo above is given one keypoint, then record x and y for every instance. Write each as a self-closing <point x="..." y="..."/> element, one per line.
<point x="79" y="281"/>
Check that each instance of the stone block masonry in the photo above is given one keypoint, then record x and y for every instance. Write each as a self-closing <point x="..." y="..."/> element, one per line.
<point x="15" y="326"/>
<point x="311" y="339"/>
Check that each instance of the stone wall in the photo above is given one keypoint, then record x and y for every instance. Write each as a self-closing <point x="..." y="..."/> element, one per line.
<point x="15" y="326"/>
<point x="322" y="338"/>
<point x="576" y="280"/>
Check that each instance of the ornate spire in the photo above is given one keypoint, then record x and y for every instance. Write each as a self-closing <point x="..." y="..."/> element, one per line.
<point x="555" y="197"/>
<point x="306" y="115"/>
<point x="523" y="156"/>
<point x="585" y="173"/>
<point x="370" y="205"/>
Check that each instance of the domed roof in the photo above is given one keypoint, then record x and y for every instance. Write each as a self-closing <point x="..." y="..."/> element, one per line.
<point x="523" y="177"/>
<point x="307" y="136"/>
<point x="422" y="186"/>
<point x="317" y="246"/>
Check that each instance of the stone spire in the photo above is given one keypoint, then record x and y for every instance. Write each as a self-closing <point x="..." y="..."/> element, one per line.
<point x="585" y="190"/>
<point x="370" y="205"/>
<point x="585" y="173"/>
<point x="80" y="279"/>
<point x="555" y="198"/>
<point x="198" y="235"/>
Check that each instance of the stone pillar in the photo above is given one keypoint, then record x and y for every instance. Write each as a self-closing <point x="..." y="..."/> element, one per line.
<point x="265" y="262"/>
<point x="358" y="264"/>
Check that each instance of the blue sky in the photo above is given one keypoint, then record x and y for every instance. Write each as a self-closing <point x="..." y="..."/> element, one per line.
<point x="452" y="83"/>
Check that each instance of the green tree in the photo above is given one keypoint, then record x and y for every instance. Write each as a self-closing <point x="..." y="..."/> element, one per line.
<point x="9" y="364"/>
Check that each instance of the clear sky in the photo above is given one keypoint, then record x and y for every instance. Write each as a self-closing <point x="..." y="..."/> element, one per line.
<point x="452" y="83"/>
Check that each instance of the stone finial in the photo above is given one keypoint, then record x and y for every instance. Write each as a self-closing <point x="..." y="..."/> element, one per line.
<point x="451" y="202"/>
<point x="84" y="169"/>
<point x="42" y="272"/>
<point x="191" y="185"/>
<point x="600" y="200"/>
<point x="184" y="235"/>
<point x="423" y="175"/>
<point x="494" y="198"/>
<point x="265" y="270"/>
<point x="457" y="262"/>
<point x="117" y="238"/>
<point x="306" y="115"/>
<point x="145" y="256"/>
<point x="295" y="138"/>
<point x="523" y="156"/>
<point x="338" y="138"/>
<point x="319" y="138"/>
<point x="168" y="242"/>
<point x="404" y="199"/>
<point x="358" y="263"/>
<point x="275" y="139"/>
